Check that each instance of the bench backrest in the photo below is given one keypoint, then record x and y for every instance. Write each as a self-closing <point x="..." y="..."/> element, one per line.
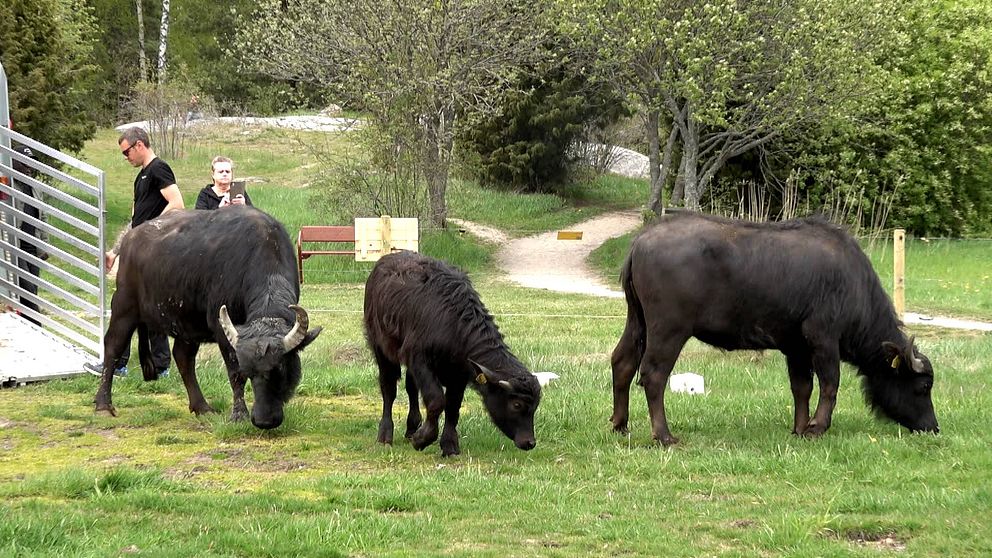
<point x="337" y="233"/>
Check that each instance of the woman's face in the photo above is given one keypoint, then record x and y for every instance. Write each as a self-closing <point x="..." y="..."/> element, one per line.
<point x="223" y="173"/>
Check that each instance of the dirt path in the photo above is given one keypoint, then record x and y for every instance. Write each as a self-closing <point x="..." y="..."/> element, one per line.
<point x="544" y="262"/>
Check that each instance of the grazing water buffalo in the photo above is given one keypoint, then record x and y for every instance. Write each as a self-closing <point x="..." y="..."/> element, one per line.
<point x="803" y="287"/>
<point x="193" y="275"/>
<point x="425" y="315"/>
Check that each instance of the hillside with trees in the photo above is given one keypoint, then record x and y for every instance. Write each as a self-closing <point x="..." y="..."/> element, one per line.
<point x="871" y="112"/>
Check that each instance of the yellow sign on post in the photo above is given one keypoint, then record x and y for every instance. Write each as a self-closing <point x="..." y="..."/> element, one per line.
<point x="375" y="237"/>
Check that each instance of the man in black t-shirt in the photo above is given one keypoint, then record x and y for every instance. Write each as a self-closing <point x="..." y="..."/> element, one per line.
<point x="155" y="192"/>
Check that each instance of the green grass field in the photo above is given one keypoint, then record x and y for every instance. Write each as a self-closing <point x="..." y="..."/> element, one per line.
<point x="157" y="481"/>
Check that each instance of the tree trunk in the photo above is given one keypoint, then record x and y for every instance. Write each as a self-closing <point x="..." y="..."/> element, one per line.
<point x="678" y="191"/>
<point x="690" y="162"/>
<point x="142" y="58"/>
<point x="666" y="162"/>
<point x="163" y="41"/>
<point x="654" y="159"/>
<point x="437" y="149"/>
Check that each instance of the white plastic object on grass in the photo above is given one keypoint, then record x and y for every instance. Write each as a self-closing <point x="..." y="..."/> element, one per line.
<point x="687" y="382"/>
<point x="544" y="378"/>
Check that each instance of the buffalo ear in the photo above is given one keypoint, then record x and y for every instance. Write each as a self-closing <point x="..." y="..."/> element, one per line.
<point x="309" y="338"/>
<point x="893" y="353"/>
<point x="483" y="371"/>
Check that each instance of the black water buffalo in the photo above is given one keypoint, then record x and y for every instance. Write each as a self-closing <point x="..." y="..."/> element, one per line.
<point x="425" y="315"/>
<point x="193" y="275"/>
<point x="803" y="287"/>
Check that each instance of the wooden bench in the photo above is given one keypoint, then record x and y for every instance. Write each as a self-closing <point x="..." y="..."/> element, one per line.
<point x="334" y="234"/>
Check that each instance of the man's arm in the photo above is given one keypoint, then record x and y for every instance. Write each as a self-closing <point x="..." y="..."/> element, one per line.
<point x="174" y="197"/>
<point x="111" y="255"/>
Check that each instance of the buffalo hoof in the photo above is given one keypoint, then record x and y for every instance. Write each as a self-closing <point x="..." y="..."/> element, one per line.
<point x="667" y="440"/>
<point x="619" y="425"/>
<point x="450" y="447"/>
<point x="421" y="439"/>
<point x="236" y="416"/>
<point x="203" y="410"/>
<point x="814" y="430"/>
<point x="450" y="451"/>
<point x="411" y="428"/>
<point x="108" y="411"/>
<point x="385" y="435"/>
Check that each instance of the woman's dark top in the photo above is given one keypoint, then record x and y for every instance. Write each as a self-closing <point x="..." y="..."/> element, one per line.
<point x="208" y="199"/>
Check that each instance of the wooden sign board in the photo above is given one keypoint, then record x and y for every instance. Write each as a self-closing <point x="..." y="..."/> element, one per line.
<point x="375" y="237"/>
<point x="569" y="235"/>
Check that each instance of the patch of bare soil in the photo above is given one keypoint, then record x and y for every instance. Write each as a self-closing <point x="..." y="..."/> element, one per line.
<point x="880" y="541"/>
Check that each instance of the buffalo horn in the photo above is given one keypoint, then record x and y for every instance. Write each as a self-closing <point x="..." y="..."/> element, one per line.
<point x="914" y="361"/>
<point x="229" y="330"/>
<point x="299" y="331"/>
<point x="506" y="385"/>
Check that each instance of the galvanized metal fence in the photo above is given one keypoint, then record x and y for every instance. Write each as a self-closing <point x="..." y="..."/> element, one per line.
<point x="69" y="237"/>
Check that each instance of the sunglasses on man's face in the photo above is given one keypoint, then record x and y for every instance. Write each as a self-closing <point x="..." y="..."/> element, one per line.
<point x="127" y="151"/>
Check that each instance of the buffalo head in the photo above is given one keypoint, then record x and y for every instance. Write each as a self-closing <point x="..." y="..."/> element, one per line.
<point x="903" y="392"/>
<point x="268" y="354"/>
<point x="511" y="404"/>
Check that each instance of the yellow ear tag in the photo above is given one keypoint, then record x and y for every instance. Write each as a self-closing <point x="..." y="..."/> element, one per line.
<point x="481" y="378"/>
<point x="896" y="361"/>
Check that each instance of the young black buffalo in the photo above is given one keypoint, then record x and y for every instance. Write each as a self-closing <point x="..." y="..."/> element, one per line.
<point x="425" y="315"/>
<point x="803" y="287"/>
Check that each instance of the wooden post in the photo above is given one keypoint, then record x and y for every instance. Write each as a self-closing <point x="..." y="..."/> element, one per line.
<point x="899" y="271"/>
<point x="387" y="235"/>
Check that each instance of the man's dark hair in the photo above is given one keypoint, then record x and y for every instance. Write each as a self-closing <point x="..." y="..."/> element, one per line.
<point x="135" y="134"/>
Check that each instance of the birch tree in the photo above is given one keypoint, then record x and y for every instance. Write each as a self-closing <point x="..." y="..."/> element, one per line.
<point x="163" y="41"/>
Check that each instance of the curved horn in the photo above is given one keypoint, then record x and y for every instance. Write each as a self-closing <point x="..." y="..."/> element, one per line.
<point x="299" y="331"/>
<point x="914" y="361"/>
<point x="229" y="330"/>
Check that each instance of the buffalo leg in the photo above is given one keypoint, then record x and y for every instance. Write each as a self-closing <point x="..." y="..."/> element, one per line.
<point x="826" y="362"/>
<point x="433" y="396"/>
<point x="239" y="411"/>
<point x="148" y="371"/>
<point x="118" y="337"/>
<point x="801" y="382"/>
<point x="452" y="411"/>
<point x="184" y="352"/>
<point x="413" y="418"/>
<point x="625" y="361"/>
<point x="389" y="375"/>
<point x="659" y="359"/>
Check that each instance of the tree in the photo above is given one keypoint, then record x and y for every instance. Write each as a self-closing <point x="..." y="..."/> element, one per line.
<point x="163" y="41"/>
<point x="45" y="47"/>
<point x="926" y="137"/>
<point x="415" y="66"/>
<point x="142" y="58"/>
<point x="531" y="142"/>
<point x="728" y="76"/>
